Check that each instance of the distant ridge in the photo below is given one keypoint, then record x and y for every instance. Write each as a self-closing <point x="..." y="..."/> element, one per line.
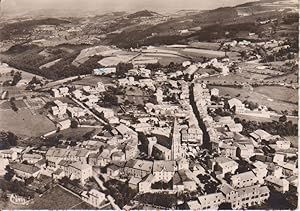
<point x="142" y="13"/>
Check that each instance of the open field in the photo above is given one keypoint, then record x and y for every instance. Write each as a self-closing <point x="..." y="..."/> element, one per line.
<point x="279" y="93"/>
<point x="92" y="80"/>
<point x="76" y="133"/>
<point x="293" y="139"/>
<point x="24" y="123"/>
<point x="57" y="198"/>
<point x="270" y="98"/>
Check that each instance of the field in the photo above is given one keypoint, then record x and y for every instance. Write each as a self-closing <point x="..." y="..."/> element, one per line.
<point x="293" y="139"/>
<point x="270" y="98"/>
<point x="58" y="198"/>
<point x="76" y="133"/>
<point x="92" y="81"/>
<point x="24" y="123"/>
<point x="279" y="93"/>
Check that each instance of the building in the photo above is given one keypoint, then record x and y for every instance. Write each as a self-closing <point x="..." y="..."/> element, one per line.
<point x="281" y="185"/>
<point x="211" y="201"/>
<point x="104" y="71"/>
<point x="133" y="183"/>
<point x="31" y="158"/>
<point x="243" y="179"/>
<point x="93" y="197"/>
<point x="260" y="170"/>
<point x="80" y="171"/>
<point x="245" y="150"/>
<point x="161" y="152"/>
<point x="8" y="154"/>
<point x="145" y="183"/>
<point x="24" y="171"/>
<point x="283" y="144"/>
<point x="245" y="197"/>
<point x="164" y="170"/>
<point x="223" y="165"/>
<point x="214" y="92"/>
<point x="75" y="112"/>
<point x="138" y="168"/>
<point x="113" y="171"/>
<point x="260" y="135"/>
<point x="237" y="105"/>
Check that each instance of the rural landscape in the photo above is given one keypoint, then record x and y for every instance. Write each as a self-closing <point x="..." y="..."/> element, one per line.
<point x="186" y="110"/>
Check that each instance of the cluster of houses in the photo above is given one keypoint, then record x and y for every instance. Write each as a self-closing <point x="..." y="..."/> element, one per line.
<point x="154" y="152"/>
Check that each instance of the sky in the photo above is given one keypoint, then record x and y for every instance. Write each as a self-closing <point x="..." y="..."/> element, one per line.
<point x="103" y="6"/>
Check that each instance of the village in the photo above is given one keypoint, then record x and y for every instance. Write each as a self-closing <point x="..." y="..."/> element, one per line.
<point x="162" y="138"/>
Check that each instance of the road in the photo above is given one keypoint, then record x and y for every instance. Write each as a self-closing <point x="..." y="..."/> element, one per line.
<point x="87" y="109"/>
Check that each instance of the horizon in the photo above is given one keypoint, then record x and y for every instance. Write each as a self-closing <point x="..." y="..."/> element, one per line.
<point x="16" y="7"/>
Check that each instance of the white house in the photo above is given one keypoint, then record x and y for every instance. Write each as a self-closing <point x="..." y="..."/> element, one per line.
<point x="244" y="179"/>
<point x="164" y="170"/>
<point x="281" y="185"/>
<point x="93" y="197"/>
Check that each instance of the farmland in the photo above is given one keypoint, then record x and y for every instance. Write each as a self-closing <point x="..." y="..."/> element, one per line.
<point x="57" y="198"/>
<point x="24" y="123"/>
<point x="265" y="95"/>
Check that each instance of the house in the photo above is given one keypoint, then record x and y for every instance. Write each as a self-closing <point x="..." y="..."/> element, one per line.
<point x="80" y="171"/>
<point x="187" y="181"/>
<point x="134" y="182"/>
<point x="104" y="71"/>
<point x="145" y="183"/>
<point x="93" y="197"/>
<point x="59" y="109"/>
<point x="281" y="185"/>
<point x="283" y="144"/>
<point x="194" y="205"/>
<point x="164" y="170"/>
<point x="245" y="197"/>
<point x="178" y="185"/>
<point x="55" y="93"/>
<point x="224" y="165"/>
<point x="214" y="92"/>
<point x="279" y="158"/>
<point x="77" y="94"/>
<point x="31" y="158"/>
<point x="245" y="150"/>
<point x="227" y="150"/>
<point x="211" y="201"/>
<point x="161" y="152"/>
<point x="260" y="135"/>
<point x="118" y="156"/>
<point x="24" y="171"/>
<point x="192" y="135"/>
<point x="138" y="168"/>
<point x="65" y="124"/>
<point x="237" y="105"/>
<point x="113" y="170"/>
<point x="3" y="163"/>
<point x="260" y="171"/>
<point x="64" y="91"/>
<point x="8" y="154"/>
<point x="244" y="179"/>
<point x="131" y="151"/>
<point x="75" y="112"/>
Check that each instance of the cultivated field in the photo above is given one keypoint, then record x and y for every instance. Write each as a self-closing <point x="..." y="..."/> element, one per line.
<point x="270" y="98"/>
<point x="279" y="93"/>
<point x="24" y="123"/>
<point x="58" y="198"/>
<point x="92" y="81"/>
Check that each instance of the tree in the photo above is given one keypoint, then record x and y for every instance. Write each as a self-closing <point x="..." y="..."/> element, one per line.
<point x="225" y="206"/>
<point x="16" y="78"/>
<point x="74" y="123"/>
<point x="282" y="118"/>
<point x="9" y="173"/>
